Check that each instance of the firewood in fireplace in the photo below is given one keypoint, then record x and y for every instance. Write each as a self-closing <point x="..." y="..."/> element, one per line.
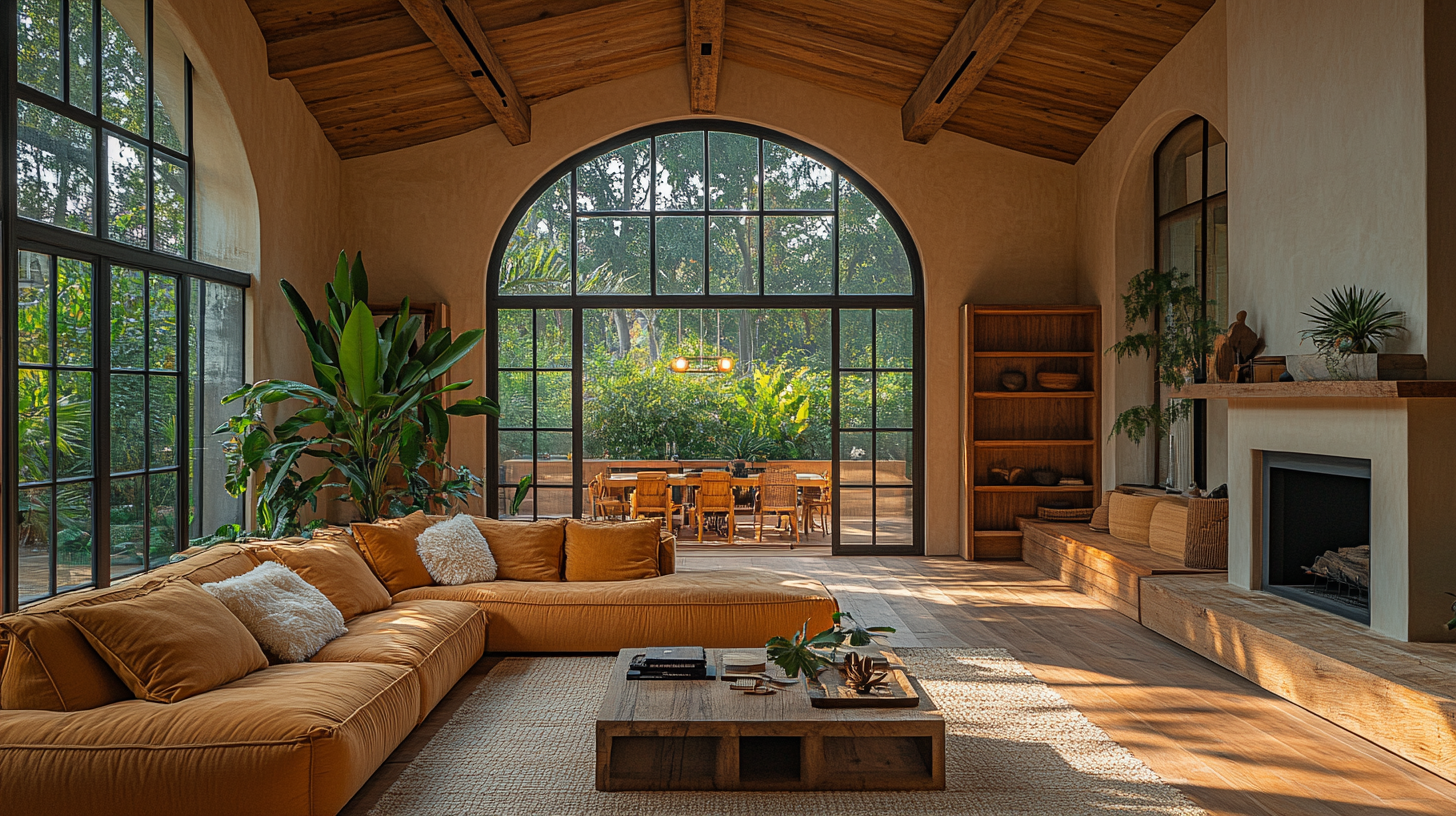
<point x="1348" y="565"/>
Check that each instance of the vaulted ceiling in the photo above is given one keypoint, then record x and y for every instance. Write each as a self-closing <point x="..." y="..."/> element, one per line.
<point x="1039" y="76"/>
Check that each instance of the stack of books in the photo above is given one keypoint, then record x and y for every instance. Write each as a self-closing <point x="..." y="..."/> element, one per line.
<point x="737" y="665"/>
<point x="671" y="663"/>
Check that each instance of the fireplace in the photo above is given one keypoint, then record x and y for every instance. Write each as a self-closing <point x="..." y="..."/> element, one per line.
<point x="1317" y="531"/>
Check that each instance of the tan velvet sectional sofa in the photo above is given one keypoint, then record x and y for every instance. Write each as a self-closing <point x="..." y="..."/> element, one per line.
<point x="301" y="738"/>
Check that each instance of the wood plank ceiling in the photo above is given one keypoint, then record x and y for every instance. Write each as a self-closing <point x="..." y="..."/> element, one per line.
<point x="1038" y="76"/>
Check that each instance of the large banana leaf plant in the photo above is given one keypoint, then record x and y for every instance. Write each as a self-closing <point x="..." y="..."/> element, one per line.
<point x="374" y="405"/>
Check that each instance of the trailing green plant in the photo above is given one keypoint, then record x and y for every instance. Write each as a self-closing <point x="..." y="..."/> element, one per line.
<point x="1352" y="321"/>
<point x="1175" y="336"/>
<point x="374" y="407"/>
<point x="807" y="655"/>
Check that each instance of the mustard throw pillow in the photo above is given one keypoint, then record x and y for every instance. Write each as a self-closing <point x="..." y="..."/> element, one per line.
<point x="390" y="548"/>
<point x="51" y="667"/>
<point x="608" y="551"/>
<point x="170" y="643"/>
<point x="524" y="552"/>
<point x="335" y="568"/>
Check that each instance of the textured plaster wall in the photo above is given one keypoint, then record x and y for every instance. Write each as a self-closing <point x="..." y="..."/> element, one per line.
<point x="267" y="177"/>
<point x="1327" y="159"/>
<point x="991" y="225"/>
<point x="1115" y="219"/>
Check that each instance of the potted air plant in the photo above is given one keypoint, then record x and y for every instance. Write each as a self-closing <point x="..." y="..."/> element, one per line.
<point x="1347" y="327"/>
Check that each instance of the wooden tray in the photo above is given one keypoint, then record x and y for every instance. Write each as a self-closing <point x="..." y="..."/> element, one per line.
<point x="826" y="691"/>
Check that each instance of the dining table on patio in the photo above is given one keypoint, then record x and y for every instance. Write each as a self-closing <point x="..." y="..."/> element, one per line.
<point x="624" y="481"/>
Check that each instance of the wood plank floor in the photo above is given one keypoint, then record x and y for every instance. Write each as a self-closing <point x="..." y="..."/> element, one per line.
<point x="1229" y="745"/>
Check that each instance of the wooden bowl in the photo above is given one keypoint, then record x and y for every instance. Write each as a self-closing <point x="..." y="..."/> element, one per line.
<point x="1052" y="381"/>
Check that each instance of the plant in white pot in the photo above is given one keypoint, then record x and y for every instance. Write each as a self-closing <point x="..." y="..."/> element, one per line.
<point x="1348" y="327"/>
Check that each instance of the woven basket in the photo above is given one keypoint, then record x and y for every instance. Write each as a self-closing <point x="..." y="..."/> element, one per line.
<point x="1064" y="513"/>
<point x="1207" y="546"/>
<point x="1099" y="516"/>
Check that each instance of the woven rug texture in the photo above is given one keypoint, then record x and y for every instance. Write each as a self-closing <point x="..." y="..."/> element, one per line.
<point x="524" y="743"/>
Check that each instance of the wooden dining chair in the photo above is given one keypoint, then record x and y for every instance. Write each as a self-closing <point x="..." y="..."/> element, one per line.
<point x="778" y="495"/>
<point x="653" y="497"/>
<point x="818" y="503"/>
<point x="604" y="501"/>
<point x="714" y="495"/>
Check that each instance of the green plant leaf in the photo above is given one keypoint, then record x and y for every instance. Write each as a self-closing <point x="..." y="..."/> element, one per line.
<point x="359" y="355"/>
<point x="358" y="280"/>
<point x="343" y="283"/>
<point x="523" y="487"/>
<point x="301" y="313"/>
<point x="475" y="406"/>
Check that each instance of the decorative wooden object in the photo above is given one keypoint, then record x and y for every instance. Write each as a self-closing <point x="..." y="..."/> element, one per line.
<point x="832" y="689"/>
<point x="703" y="735"/>
<point x="1329" y="389"/>
<point x="1022" y="432"/>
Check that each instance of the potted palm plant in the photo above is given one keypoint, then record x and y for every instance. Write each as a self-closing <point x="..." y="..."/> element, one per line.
<point x="1348" y="327"/>
<point x="375" y="407"/>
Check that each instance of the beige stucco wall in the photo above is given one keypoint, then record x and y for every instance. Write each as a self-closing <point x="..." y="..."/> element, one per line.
<point x="1327" y="162"/>
<point x="1115" y="219"/>
<point x="293" y="173"/>
<point x="991" y="225"/>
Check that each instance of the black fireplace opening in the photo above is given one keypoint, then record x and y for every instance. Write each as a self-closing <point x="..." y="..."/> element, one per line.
<point x="1317" y="531"/>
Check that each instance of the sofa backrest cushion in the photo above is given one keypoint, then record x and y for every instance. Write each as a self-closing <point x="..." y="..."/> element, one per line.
<point x="214" y="564"/>
<point x="51" y="666"/>
<point x="612" y="551"/>
<point x="1130" y="516"/>
<point x="169" y="642"/>
<point x="335" y="568"/>
<point x="525" y="552"/>
<point x="389" y="547"/>
<point x="667" y="554"/>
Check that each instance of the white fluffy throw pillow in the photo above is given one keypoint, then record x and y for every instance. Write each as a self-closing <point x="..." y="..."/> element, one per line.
<point x="455" y="552"/>
<point x="287" y="614"/>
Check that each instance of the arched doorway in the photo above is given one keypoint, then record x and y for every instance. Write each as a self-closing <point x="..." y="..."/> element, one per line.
<point x="692" y="242"/>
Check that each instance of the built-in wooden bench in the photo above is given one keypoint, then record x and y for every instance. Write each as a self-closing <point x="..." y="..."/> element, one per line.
<point x="1400" y="696"/>
<point x="1098" y="565"/>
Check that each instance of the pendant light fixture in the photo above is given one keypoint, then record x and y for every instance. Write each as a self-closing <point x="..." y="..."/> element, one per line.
<point x="699" y="364"/>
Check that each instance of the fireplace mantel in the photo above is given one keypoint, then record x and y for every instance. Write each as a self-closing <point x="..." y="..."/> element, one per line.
<point x="1322" y="389"/>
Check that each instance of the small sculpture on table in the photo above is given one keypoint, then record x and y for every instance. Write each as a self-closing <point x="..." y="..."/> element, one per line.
<point x="1235" y="350"/>
<point x="861" y="675"/>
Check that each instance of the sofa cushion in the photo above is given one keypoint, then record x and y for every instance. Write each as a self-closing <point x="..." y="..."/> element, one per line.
<point x="170" y="642"/>
<point x="292" y="740"/>
<point x="213" y="564"/>
<point x="390" y="548"/>
<point x="713" y="608"/>
<point x="1130" y="515"/>
<point x="335" y="567"/>
<point x="439" y="639"/>
<point x="612" y="551"/>
<point x="287" y="615"/>
<point x="455" y="552"/>
<point x="525" y="551"/>
<point x="52" y="667"/>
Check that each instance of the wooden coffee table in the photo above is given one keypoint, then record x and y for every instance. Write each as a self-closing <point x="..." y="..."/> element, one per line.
<point x="702" y="735"/>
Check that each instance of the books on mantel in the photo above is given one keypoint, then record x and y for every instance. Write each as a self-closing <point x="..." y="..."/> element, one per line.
<point x="671" y="663"/>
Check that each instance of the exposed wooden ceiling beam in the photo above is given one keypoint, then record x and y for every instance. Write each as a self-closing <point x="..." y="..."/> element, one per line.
<point x="980" y="39"/>
<point x="354" y="44"/>
<point x="455" y="30"/>
<point x="705" y="52"/>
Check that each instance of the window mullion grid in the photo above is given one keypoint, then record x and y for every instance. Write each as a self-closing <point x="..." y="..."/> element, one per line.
<point x="9" y="344"/>
<point x="65" y="55"/>
<point x="572" y="215"/>
<point x="834" y="194"/>
<point x="762" y="220"/>
<point x="189" y="231"/>
<point x="707" y="221"/>
<point x="874" y="423"/>
<point x="146" y="430"/>
<point x="578" y="466"/>
<point x="535" y="420"/>
<point x="651" y="213"/>
<point x="834" y="430"/>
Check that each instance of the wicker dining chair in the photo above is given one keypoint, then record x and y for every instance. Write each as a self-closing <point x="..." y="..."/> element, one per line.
<point x="604" y="502"/>
<point x="714" y="495"/>
<point x="818" y="503"/>
<point x="653" y="497"/>
<point x="778" y="495"/>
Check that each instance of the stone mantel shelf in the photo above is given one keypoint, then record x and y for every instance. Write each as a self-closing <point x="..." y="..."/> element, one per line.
<point x="1322" y="389"/>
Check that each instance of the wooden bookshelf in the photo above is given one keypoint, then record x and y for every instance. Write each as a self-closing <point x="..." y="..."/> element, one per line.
<point x="1033" y="428"/>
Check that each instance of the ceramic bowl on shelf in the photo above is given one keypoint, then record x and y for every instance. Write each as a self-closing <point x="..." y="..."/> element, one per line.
<point x="1053" y="381"/>
<point x="1013" y="380"/>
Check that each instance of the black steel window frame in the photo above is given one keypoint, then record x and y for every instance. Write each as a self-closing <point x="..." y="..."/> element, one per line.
<point x="832" y="302"/>
<point x="1200" y="407"/>
<point x="23" y="234"/>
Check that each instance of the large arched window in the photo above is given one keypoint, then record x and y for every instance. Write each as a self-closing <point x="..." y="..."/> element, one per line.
<point x="697" y="242"/>
<point x="1190" y="191"/>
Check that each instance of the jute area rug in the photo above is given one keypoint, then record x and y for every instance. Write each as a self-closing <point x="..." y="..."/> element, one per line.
<point x="524" y="743"/>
